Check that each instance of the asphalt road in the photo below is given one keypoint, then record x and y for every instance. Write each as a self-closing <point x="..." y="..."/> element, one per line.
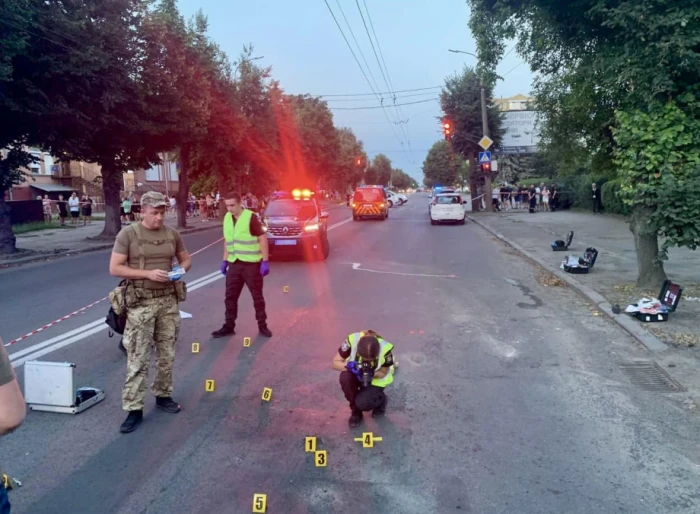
<point x="508" y="397"/>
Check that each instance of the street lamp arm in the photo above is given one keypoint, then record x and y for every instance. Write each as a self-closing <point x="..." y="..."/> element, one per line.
<point x="463" y="52"/>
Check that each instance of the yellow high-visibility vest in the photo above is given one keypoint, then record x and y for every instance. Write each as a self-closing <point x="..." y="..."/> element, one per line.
<point x="384" y="348"/>
<point x="240" y="243"/>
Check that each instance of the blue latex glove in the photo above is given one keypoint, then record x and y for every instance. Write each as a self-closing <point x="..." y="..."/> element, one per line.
<point x="224" y="267"/>
<point x="176" y="274"/>
<point x="264" y="268"/>
<point x="353" y="368"/>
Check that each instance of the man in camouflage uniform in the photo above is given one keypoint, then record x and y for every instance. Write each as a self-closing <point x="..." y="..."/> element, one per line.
<point x="143" y="253"/>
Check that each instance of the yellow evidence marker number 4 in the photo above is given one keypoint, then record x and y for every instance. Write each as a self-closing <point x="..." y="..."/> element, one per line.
<point x="259" y="503"/>
<point x="368" y="439"/>
<point x="267" y="394"/>
<point x="321" y="458"/>
<point x="310" y="444"/>
<point x="209" y="385"/>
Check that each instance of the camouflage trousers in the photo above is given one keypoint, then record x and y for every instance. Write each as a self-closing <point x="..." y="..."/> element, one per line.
<point x="150" y="322"/>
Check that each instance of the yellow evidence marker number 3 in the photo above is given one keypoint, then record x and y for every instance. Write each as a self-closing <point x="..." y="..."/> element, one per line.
<point x="267" y="394"/>
<point x="209" y="385"/>
<point x="321" y="458"/>
<point x="259" y="503"/>
<point x="310" y="444"/>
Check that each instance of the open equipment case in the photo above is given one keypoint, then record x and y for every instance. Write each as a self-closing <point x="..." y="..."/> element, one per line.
<point x="49" y="387"/>
<point x="670" y="296"/>
<point x="584" y="264"/>
<point x="562" y="246"/>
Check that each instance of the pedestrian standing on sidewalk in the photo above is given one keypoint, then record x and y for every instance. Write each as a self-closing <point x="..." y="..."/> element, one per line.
<point x="143" y="253"/>
<point x="596" y="199"/>
<point x="74" y="205"/>
<point x="245" y="262"/>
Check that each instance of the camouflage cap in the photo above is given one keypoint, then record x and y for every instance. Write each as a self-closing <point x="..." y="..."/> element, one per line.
<point x="153" y="199"/>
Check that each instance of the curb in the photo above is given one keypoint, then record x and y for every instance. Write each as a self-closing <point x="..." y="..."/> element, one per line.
<point x="651" y="342"/>
<point x="96" y="248"/>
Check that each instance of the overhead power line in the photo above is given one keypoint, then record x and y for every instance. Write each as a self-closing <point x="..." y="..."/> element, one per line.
<point x="380" y="106"/>
<point x="382" y="92"/>
<point x="402" y="97"/>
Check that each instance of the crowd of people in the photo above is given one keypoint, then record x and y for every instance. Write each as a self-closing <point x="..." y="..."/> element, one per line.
<point x="535" y="198"/>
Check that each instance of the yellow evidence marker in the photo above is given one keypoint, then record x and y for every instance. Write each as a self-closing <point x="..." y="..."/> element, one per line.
<point x="368" y="439"/>
<point x="209" y="385"/>
<point x="246" y="341"/>
<point x="285" y="289"/>
<point x="321" y="458"/>
<point x="259" y="502"/>
<point x="267" y="394"/>
<point x="310" y="444"/>
<point x="195" y="347"/>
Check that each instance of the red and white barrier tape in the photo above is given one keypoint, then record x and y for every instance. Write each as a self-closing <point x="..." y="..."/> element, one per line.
<point x="83" y="309"/>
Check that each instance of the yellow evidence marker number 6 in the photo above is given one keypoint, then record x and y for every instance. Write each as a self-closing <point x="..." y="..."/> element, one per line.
<point x="259" y="503"/>
<point x="310" y="444"/>
<point x="267" y="394"/>
<point x="209" y="385"/>
<point x="321" y="458"/>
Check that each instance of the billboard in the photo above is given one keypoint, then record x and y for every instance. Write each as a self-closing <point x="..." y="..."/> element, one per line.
<point x="522" y="134"/>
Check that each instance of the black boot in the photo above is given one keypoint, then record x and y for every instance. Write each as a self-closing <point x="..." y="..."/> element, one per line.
<point x="355" y="419"/>
<point x="223" y="332"/>
<point x="167" y="404"/>
<point x="265" y="331"/>
<point x="378" y="412"/>
<point x="132" y="421"/>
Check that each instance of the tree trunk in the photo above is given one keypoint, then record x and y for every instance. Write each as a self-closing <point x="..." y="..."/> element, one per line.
<point x="650" y="269"/>
<point x="183" y="190"/>
<point x="7" y="238"/>
<point x="112" y="181"/>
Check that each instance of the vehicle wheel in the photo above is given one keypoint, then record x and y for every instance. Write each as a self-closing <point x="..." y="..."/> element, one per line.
<point x="325" y="249"/>
<point x="401" y="202"/>
<point x="432" y="222"/>
<point x="355" y="218"/>
<point x="391" y="204"/>
<point x="463" y="221"/>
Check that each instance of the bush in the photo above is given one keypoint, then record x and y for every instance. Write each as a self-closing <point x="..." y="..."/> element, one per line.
<point x="611" y="200"/>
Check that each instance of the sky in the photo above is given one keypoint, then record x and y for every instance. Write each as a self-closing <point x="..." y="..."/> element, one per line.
<point x="308" y="54"/>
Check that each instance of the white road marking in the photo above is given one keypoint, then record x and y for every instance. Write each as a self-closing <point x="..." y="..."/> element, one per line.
<point x="56" y="343"/>
<point x="356" y="266"/>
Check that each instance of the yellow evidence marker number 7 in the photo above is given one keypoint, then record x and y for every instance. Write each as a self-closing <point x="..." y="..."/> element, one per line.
<point x="259" y="503"/>
<point x="209" y="385"/>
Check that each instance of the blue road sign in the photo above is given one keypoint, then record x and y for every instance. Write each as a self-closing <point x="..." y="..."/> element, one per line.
<point x="484" y="157"/>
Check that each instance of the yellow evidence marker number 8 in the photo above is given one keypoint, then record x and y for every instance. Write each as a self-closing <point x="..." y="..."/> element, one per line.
<point x="209" y="385"/>
<point x="310" y="444"/>
<point x="267" y="394"/>
<point x="246" y="341"/>
<point x="321" y="458"/>
<point x="259" y="503"/>
<point x="195" y="347"/>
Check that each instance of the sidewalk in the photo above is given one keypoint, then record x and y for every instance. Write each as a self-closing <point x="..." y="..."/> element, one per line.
<point x="615" y="270"/>
<point x="46" y="244"/>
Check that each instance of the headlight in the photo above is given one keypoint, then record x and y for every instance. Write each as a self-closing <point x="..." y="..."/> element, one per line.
<point x="311" y="227"/>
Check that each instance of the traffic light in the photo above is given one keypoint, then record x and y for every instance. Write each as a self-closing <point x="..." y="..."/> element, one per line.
<point x="486" y="167"/>
<point x="447" y="129"/>
<point x="358" y="162"/>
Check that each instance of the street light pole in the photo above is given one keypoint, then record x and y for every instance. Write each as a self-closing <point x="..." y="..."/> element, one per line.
<point x="485" y="130"/>
<point x="235" y="70"/>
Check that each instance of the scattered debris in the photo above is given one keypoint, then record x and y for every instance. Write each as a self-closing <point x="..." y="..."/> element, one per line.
<point x="547" y="279"/>
<point x="679" y="339"/>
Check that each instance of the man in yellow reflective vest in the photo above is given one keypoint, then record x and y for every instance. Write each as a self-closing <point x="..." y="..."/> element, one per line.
<point x="245" y="263"/>
<point x="360" y="354"/>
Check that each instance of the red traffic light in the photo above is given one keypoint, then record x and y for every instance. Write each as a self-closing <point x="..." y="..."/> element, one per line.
<point x="447" y="129"/>
<point x="359" y="161"/>
<point x="486" y="167"/>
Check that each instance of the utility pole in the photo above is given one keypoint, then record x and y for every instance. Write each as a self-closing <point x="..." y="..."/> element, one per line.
<point x="485" y="130"/>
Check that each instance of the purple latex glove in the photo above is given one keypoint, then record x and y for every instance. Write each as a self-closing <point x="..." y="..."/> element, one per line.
<point x="264" y="268"/>
<point x="224" y="267"/>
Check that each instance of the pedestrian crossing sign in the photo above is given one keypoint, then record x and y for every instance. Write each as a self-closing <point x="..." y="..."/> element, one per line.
<point x="484" y="157"/>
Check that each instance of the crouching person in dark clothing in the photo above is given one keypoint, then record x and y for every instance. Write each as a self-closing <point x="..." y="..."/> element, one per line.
<point x="366" y="363"/>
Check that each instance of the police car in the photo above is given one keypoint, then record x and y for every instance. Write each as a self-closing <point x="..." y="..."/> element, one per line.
<point x="295" y="224"/>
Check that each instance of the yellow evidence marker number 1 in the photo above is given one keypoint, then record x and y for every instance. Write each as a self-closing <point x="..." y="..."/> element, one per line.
<point x="310" y="444"/>
<point x="195" y="347"/>
<point x="259" y="503"/>
<point x="267" y="394"/>
<point x="321" y="458"/>
<point x="246" y="341"/>
<point x="209" y="385"/>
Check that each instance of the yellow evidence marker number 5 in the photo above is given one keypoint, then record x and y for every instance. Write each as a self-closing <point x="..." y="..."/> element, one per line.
<point x="259" y="503"/>
<point x="209" y="385"/>
<point x="267" y="394"/>
<point x="321" y="458"/>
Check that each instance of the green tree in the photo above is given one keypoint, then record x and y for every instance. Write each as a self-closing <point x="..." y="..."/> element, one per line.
<point x="348" y="172"/>
<point x="441" y="166"/>
<point x="379" y="170"/>
<point x="602" y="68"/>
<point x="400" y="180"/>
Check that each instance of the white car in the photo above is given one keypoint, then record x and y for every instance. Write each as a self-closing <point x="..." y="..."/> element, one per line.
<point x="435" y="192"/>
<point x="401" y="198"/>
<point x="392" y="198"/>
<point x="447" y="207"/>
